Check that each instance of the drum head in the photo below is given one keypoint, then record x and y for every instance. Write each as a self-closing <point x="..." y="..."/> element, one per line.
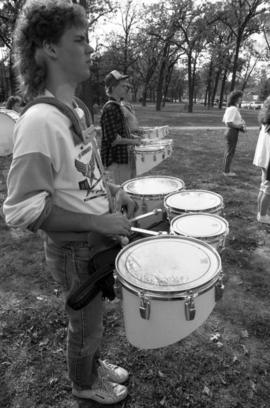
<point x="194" y="200"/>
<point x="153" y="185"/>
<point x="167" y="264"/>
<point x="199" y="225"/>
<point x="7" y="122"/>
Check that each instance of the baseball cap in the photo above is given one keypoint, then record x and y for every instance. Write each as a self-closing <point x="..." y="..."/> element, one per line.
<point x="113" y="78"/>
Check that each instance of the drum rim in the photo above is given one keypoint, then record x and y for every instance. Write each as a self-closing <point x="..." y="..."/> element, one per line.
<point x="186" y="210"/>
<point x="202" y="237"/>
<point x="174" y="294"/>
<point x="159" y="149"/>
<point x="151" y="196"/>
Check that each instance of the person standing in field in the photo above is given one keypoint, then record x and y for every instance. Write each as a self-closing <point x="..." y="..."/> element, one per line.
<point x="235" y="124"/>
<point x="262" y="160"/>
<point x="56" y="181"/>
<point x="116" y="140"/>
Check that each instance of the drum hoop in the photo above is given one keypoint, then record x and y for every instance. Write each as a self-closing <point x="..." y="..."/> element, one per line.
<point x="141" y="150"/>
<point x="170" y="295"/>
<point x="153" y="196"/>
<point x="209" y="238"/>
<point x="196" y="240"/>
<point x="219" y="206"/>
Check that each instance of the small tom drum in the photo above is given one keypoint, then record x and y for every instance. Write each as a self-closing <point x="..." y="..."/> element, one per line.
<point x="210" y="228"/>
<point x="149" y="193"/>
<point x="169" y="287"/>
<point x="193" y="201"/>
<point x="7" y="123"/>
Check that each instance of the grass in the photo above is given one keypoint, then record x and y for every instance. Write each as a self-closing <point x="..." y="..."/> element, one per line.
<point x="230" y="370"/>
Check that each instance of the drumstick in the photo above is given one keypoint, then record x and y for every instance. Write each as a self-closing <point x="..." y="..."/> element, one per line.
<point x="139" y="217"/>
<point x="148" y="232"/>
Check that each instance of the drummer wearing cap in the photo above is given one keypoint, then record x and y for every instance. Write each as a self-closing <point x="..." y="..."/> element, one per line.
<point x="117" y="141"/>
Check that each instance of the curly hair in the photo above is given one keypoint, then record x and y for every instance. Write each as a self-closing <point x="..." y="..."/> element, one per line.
<point x="40" y="21"/>
<point x="13" y="100"/>
<point x="264" y="115"/>
<point x="233" y="98"/>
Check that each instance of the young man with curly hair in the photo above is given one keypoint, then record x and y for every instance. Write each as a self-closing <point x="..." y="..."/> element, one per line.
<point x="56" y="183"/>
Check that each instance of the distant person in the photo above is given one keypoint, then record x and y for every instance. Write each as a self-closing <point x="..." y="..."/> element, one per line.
<point x="15" y="103"/>
<point x="235" y="124"/>
<point x="117" y="140"/>
<point x="262" y="160"/>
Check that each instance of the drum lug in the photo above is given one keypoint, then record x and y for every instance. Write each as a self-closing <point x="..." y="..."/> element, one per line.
<point x="144" y="307"/>
<point x="190" y="309"/>
<point x="219" y="289"/>
<point x="117" y="287"/>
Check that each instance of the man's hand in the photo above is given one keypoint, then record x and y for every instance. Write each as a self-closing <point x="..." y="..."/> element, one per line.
<point x="122" y="199"/>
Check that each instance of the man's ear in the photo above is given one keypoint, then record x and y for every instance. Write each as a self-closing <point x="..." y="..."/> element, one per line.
<point x="49" y="49"/>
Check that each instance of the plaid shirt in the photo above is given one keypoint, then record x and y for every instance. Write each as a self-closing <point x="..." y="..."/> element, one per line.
<point x="113" y="123"/>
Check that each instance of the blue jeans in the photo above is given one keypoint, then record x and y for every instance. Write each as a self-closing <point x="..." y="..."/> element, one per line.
<point x="231" y="139"/>
<point x="69" y="267"/>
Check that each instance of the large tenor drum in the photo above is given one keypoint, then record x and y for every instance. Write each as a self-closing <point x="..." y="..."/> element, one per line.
<point x="169" y="286"/>
<point x="149" y="156"/>
<point x="149" y="193"/>
<point x="7" y="122"/>
<point x="193" y="201"/>
<point x="210" y="228"/>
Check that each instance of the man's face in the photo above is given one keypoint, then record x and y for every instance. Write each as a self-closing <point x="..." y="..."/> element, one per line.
<point x="73" y="55"/>
<point x="122" y="89"/>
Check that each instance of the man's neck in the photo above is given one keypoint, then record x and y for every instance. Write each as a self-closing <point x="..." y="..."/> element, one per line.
<point x="63" y="91"/>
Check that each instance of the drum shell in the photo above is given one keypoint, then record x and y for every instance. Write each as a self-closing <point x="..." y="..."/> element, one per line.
<point x="175" y="211"/>
<point x="7" y="122"/>
<point x="148" y="157"/>
<point x="167" y="322"/>
<point x="149" y="202"/>
<point x="217" y="241"/>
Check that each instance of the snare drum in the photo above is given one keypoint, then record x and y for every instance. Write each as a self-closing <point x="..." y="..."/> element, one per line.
<point x="210" y="228"/>
<point x="149" y="193"/>
<point x="7" y="122"/>
<point x="193" y="201"/>
<point x="169" y="287"/>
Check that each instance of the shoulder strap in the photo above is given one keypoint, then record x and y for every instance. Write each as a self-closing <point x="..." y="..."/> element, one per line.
<point x="66" y="110"/>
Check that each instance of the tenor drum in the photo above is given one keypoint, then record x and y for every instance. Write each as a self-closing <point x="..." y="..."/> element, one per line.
<point x="210" y="228"/>
<point x="149" y="193"/>
<point x="7" y="122"/>
<point x="169" y="286"/>
<point x="194" y="201"/>
<point x="148" y="157"/>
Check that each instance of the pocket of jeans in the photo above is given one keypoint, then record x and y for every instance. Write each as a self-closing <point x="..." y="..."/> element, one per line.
<point x="57" y="261"/>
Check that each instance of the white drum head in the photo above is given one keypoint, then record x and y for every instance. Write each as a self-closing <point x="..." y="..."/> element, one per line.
<point x="153" y="185"/>
<point x="167" y="264"/>
<point x="150" y="148"/>
<point x="194" y="200"/>
<point x="199" y="225"/>
<point x="7" y="123"/>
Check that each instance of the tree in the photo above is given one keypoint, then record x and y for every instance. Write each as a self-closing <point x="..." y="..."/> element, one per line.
<point x="241" y="17"/>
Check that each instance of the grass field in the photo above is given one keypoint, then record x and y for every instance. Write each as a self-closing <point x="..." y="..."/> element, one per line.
<point x="223" y="364"/>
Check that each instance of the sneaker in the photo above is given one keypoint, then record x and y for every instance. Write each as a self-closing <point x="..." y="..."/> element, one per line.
<point x="230" y="174"/>
<point x="111" y="372"/>
<point x="102" y="391"/>
<point x="265" y="219"/>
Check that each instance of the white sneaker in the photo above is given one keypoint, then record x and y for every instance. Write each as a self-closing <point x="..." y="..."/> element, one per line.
<point x="111" y="372"/>
<point x="264" y="219"/>
<point x="230" y="174"/>
<point x="102" y="391"/>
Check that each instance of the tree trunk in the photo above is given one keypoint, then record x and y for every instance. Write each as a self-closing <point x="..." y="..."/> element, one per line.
<point x="161" y="77"/>
<point x="235" y="62"/>
<point x="222" y="89"/>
